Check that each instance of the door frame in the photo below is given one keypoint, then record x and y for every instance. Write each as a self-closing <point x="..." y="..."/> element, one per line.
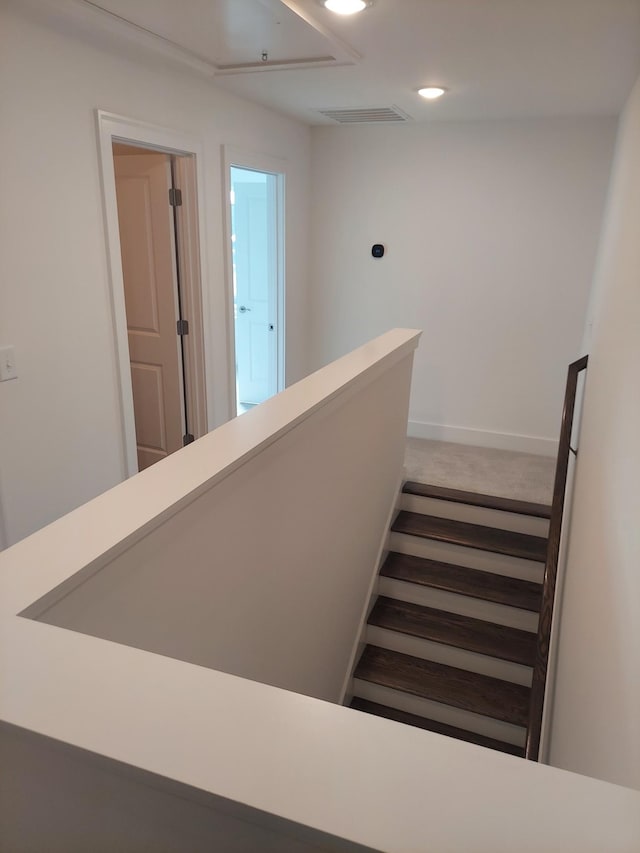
<point x="4" y="535"/>
<point x="245" y="159"/>
<point x="115" y="128"/>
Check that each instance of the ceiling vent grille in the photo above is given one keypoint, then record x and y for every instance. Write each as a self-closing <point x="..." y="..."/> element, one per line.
<point x="366" y="116"/>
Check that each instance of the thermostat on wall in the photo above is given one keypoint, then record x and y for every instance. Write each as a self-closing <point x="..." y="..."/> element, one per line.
<point x="377" y="250"/>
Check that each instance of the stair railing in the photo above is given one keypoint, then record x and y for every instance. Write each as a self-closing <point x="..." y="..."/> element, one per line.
<point x="540" y="667"/>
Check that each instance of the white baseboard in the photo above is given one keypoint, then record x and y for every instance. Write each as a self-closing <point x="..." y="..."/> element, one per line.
<point x="484" y="438"/>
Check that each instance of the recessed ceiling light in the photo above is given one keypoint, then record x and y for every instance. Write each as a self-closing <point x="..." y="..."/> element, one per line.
<point x="345" y="7"/>
<point x="432" y="92"/>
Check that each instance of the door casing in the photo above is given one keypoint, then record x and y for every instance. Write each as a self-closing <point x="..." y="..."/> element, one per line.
<point x="149" y="263"/>
<point x="113" y="128"/>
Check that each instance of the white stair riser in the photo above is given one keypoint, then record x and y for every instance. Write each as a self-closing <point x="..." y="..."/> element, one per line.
<point x="449" y="655"/>
<point x="441" y="713"/>
<point x="464" y="605"/>
<point x="476" y="515"/>
<point x="473" y="558"/>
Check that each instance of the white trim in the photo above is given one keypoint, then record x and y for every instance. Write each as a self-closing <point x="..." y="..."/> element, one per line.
<point x="360" y="638"/>
<point x="4" y="536"/>
<point x="112" y="127"/>
<point x="89" y="12"/>
<point x="265" y="67"/>
<point x="245" y="159"/>
<point x="96" y="16"/>
<point x="188" y="261"/>
<point x="349" y="55"/>
<point x="484" y="438"/>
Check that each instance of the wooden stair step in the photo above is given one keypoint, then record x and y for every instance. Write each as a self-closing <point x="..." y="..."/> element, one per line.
<point x="521" y="545"/>
<point x="425" y="490"/>
<point x="474" y="583"/>
<point x="481" y="694"/>
<point x="463" y="632"/>
<point x="374" y="708"/>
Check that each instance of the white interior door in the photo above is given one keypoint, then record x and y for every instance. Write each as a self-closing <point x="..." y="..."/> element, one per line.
<point x="146" y="241"/>
<point x="254" y="252"/>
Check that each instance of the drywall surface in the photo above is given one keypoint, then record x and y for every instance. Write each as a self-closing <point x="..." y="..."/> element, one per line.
<point x="65" y="800"/>
<point x="149" y="750"/>
<point x="60" y="420"/>
<point x="3" y="533"/>
<point x="596" y="710"/>
<point x="268" y="573"/>
<point x="490" y="231"/>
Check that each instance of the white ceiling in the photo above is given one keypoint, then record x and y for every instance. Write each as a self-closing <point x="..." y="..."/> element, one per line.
<point x="498" y="58"/>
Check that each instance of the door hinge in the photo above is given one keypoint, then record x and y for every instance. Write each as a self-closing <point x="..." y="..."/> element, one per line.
<point x="187" y="439"/>
<point x="175" y="197"/>
<point x="182" y="327"/>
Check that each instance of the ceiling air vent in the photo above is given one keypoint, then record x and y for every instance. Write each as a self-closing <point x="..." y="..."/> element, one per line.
<point x="366" y="116"/>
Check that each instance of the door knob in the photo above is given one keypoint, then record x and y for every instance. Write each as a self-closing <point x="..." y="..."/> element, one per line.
<point x="243" y="308"/>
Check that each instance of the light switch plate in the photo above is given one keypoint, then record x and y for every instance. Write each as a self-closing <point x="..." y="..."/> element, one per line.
<point x="8" y="368"/>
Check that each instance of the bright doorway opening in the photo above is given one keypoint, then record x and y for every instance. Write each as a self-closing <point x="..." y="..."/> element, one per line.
<point x="256" y="205"/>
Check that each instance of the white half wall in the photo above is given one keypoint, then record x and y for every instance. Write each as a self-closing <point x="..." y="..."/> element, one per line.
<point x="64" y="800"/>
<point x="490" y="231"/>
<point x="106" y="747"/>
<point x="267" y="574"/>
<point x="59" y="421"/>
<point x="595" y="724"/>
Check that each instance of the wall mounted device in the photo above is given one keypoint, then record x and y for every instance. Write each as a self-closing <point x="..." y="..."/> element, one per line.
<point x="377" y="250"/>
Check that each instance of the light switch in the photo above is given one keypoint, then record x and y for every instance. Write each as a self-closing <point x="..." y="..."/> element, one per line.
<point x="7" y="364"/>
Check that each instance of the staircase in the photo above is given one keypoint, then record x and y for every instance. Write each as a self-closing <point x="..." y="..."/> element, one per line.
<point x="451" y="637"/>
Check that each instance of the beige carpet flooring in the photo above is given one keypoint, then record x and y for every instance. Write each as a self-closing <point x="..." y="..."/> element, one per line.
<point x="502" y="473"/>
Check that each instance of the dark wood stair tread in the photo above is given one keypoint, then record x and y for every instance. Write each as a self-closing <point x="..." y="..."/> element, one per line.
<point x="411" y="487"/>
<point x="464" y="581"/>
<point x="464" y="632"/>
<point x="374" y="708"/>
<point x="521" y="545"/>
<point x="470" y="691"/>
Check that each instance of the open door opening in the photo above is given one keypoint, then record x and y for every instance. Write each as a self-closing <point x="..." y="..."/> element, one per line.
<point x="159" y="252"/>
<point x="257" y="282"/>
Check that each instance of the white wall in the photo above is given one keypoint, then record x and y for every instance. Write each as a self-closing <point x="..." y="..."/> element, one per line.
<point x="335" y="780"/>
<point x="65" y="800"/>
<point x="595" y="724"/>
<point x="3" y="534"/>
<point x="59" y="421"/>
<point x="491" y="231"/>
<point x="267" y="574"/>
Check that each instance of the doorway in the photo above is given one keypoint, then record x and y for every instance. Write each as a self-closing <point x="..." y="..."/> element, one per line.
<point x="146" y="197"/>
<point x="157" y="251"/>
<point x="187" y="233"/>
<point x="257" y="281"/>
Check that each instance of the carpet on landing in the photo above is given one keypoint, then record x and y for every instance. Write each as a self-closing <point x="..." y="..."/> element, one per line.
<point x="502" y="473"/>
